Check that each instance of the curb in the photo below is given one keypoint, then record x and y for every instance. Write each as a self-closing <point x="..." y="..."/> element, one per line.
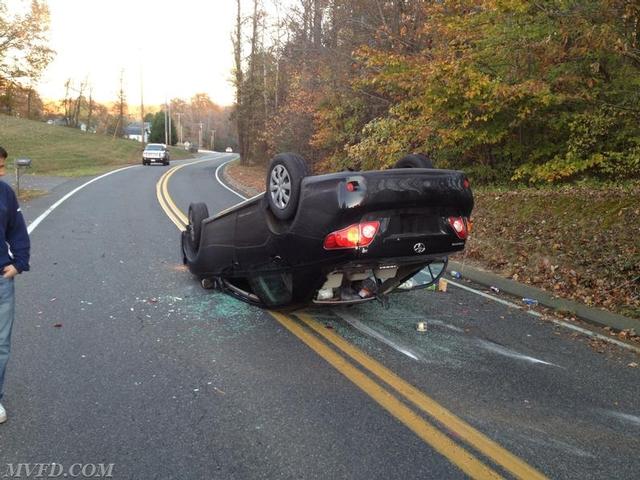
<point x="601" y="318"/>
<point x="234" y="184"/>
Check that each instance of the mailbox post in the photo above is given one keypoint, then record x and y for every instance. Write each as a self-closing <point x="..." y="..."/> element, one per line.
<point x="21" y="164"/>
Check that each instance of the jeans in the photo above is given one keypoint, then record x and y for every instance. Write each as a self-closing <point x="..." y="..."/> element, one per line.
<point x="7" y="301"/>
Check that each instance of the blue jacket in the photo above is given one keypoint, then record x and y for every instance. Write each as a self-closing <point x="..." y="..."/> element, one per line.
<point x="13" y="231"/>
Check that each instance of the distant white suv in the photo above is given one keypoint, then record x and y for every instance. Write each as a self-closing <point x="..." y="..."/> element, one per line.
<point x="155" y="153"/>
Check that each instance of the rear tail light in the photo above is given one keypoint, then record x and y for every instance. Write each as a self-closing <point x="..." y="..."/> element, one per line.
<point x="459" y="225"/>
<point x="466" y="183"/>
<point x="354" y="236"/>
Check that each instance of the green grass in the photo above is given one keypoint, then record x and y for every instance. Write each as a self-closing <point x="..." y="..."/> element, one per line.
<point x="66" y="151"/>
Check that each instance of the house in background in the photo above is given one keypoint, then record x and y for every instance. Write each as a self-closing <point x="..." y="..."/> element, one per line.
<point x="133" y="131"/>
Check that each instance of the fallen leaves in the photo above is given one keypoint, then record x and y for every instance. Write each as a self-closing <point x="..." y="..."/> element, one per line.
<point x="250" y="176"/>
<point x="599" y="346"/>
<point x="587" y="253"/>
<point x="629" y="334"/>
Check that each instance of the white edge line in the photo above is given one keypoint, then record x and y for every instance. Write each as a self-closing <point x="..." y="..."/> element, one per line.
<point x="561" y="323"/>
<point x="491" y="297"/>
<point x="32" y="226"/>
<point x="223" y="184"/>
<point x="599" y="336"/>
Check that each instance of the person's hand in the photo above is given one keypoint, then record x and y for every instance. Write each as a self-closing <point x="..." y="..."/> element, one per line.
<point x="9" y="272"/>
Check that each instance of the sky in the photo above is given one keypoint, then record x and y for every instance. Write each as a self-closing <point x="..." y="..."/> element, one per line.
<point x="177" y="47"/>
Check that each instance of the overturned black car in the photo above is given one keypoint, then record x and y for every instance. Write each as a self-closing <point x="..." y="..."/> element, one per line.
<point x="338" y="238"/>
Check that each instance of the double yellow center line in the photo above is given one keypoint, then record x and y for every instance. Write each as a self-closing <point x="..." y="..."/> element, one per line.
<point x="430" y="421"/>
<point x="396" y="396"/>
<point x="176" y="215"/>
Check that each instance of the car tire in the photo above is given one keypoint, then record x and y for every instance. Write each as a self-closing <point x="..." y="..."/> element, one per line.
<point x="284" y="177"/>
<point x="197" y="213"/>
<point x="414" y="160"/>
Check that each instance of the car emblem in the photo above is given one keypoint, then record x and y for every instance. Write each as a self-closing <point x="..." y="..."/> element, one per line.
<point x="419" y="248"/>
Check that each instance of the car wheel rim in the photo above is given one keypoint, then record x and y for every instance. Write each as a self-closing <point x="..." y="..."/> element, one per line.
<point x="280" y="187"/>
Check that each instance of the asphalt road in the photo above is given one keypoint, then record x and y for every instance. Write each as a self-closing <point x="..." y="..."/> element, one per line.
<point x="119" y="357"/>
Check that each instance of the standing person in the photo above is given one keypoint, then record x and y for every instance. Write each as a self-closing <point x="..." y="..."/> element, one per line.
<point x="14" y="259"/>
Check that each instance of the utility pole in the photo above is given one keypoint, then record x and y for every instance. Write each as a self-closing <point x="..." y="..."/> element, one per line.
<point x="180" y="126"/>
<point x="142" y="130"/>
<point x="165" y="122"/>
<point x="200" y="135"/>
<point x="90" y="109"/>
<point x="213" y="138"/>
<point x="170" y="136"/>
<point x="29" y="95"/>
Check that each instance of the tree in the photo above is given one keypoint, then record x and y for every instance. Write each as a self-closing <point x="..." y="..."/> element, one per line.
<point x="121" y="108"/>
<point x="508" y="90"/>
<point x="157" y="134"/>
<point x="75" y="118"/>
<point x="306" y="70"/>
<point x="541" y="91"/>
<point x="24" y="102"/>
<point x="24" y="52"/>
<point x="90" y="108"/>
<point x="252" y="92"/>
<point x="239" y="81"/>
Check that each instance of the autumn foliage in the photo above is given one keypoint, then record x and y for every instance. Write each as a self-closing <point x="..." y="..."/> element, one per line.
<point x="24" y="54"/>
<point x="509" y="90"/>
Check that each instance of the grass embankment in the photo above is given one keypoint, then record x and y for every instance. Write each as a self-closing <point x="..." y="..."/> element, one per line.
<point x="577" y="242"/>
<point x="63" y="151"/>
